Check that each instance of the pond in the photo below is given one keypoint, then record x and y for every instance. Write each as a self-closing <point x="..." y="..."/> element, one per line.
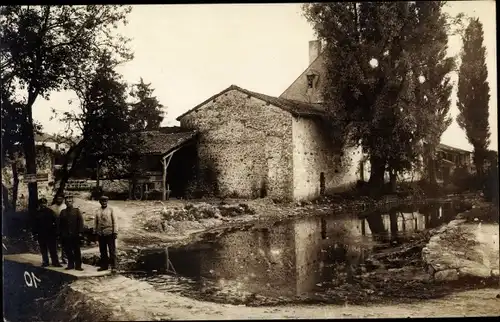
<point x="293" y="258"/>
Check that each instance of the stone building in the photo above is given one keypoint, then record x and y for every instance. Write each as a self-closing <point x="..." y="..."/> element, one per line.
<point x="253" y="145"/>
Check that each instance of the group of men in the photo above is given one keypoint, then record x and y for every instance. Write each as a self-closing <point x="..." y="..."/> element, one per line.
<point x="63" y="223"/>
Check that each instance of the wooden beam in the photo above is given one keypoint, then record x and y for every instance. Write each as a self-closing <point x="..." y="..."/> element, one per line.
<point x="164" y="178"/>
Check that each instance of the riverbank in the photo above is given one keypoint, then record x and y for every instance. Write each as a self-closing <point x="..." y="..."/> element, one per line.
<point x="467" y="247"/>
<point x="115" y="299"/>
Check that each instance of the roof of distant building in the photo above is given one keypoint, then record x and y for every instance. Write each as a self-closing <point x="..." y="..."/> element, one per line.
<point x="161" y="143"/>
<point x="295" y="108"/>
<point x="45" y="137"/>
<point x="451" y="148"/>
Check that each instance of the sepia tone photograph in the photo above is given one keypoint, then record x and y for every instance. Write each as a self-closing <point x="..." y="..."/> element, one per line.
<point x="249" y="161"/>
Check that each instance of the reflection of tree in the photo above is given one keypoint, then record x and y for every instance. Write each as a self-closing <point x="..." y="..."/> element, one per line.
<point x="434" y="219"/>
<point x="393" y="216"/>
<point x="448" y="210"/>
<point x="376" y="225"/>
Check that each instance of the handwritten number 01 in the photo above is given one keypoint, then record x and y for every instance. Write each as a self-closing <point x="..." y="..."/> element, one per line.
<point x="31" y="280"/>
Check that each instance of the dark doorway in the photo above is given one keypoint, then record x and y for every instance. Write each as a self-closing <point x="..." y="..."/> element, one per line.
<point x="322" y="183"/>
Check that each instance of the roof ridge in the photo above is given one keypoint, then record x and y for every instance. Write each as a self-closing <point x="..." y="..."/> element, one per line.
<point x="274" y="100"/>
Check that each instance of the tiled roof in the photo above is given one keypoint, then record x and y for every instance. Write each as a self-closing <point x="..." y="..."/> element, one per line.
<point x="451" y="148"/>
<point x="295" y="108"/>
<point x="158" y="143"/>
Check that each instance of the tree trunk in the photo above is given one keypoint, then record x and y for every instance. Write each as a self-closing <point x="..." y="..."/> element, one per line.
<point x="393" y="180"/>
<point x="97" y="177"/>
<point x="479" y="164"/>
<point x="66" y="174"/>
<point x="6" y="200"/>
<point x="15" y="185"/>
<point x="431" y="165"/>
<point x="377" y="170"/>
<point x="30" y="156"/>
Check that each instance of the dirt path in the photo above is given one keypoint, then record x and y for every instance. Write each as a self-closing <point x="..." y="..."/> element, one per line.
<point x="122" y="294"/>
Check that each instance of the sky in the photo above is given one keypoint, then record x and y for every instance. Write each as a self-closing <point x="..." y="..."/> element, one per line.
<point x="191" y="52"/>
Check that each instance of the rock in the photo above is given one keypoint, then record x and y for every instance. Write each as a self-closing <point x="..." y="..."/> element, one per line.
<point x="456" y="222"/>
<point x="495" y="273"/>
<point x="442" y="230"/>
<point x="446" y="275"/>
<point x="476" y="271"/>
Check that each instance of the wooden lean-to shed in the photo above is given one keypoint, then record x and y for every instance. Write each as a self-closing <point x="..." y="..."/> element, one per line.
<point x="161" y="163"/>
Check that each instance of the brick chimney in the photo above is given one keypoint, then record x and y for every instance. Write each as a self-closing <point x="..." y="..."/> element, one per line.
<point x="314" y="50"/>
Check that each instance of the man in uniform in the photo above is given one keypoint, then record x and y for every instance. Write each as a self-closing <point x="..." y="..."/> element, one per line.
<point x="106" y="229"/>
<point x="71" y="230"/>
<point x="57" y="206"/>
<point x="45" y="230"/>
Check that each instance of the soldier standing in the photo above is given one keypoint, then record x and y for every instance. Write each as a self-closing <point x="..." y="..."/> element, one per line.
<point x="58" y="205"/>
<point x="71" y="230"/>
<point x="106" y="229"/>
<point x="45" y="231"/>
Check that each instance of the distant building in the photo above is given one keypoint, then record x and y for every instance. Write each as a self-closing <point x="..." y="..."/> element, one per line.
<point x="165" y="158"/>
<point x="449" y="158"/>
<point x="50" y="152"/>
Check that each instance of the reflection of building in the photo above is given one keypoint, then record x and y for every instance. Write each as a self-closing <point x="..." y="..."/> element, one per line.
<point x="291" y="258"/>
<point x="284" y="259"/>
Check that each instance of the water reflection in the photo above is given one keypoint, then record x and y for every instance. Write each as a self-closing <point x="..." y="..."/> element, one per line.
<point x="291" y="258"/>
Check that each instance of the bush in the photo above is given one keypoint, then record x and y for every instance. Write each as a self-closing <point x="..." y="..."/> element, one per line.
<point x="96" y="193"/>
<point x="490" y="186"/>
<point x="463" y="180"/>
<point x="430" y="189"/>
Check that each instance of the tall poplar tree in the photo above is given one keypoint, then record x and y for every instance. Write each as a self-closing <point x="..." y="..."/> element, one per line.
<point x="474" y="93"/>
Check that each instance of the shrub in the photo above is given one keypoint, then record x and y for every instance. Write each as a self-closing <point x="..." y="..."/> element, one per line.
<point x="429" y="189"/>
<point x="463" y="180"/>
<point x="490" y="186"/>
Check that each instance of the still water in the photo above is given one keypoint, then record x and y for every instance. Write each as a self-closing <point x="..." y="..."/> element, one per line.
<point x="292" y="258"/>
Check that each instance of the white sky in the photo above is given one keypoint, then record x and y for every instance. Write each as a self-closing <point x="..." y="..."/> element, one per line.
<point x="191" y="52"/>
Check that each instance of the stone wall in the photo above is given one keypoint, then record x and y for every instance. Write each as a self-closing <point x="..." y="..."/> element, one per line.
<point x="313" y="154"/>
<point x="244" y="147"/>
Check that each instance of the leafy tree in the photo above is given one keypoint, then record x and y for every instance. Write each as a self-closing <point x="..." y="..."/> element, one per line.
<point x="146" y="112"/>
<point x="433" y="72"/>
<point x="12" y="119"/>
<point x="12" y="138"/>
<point x="490" y="187"/>
<point x="49" y="48"/>
<point x="375" y="55"/>
<point x="368" y="64"/>
<point x="102" y="121"/>
<point x="473" y="93"/>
